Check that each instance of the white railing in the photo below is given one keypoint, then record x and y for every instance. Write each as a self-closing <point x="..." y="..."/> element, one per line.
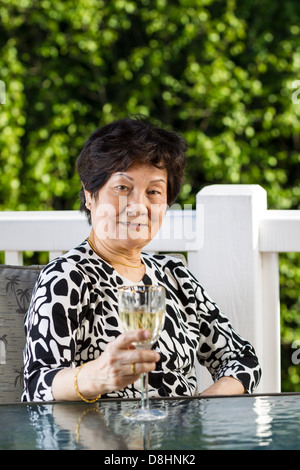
<point x="232" y="243"/>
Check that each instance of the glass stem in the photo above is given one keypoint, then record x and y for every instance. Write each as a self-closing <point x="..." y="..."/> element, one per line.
<point x="145" y="397"/>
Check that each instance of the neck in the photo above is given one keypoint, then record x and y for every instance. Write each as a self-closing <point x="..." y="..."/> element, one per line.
<point x="115" y="257"/>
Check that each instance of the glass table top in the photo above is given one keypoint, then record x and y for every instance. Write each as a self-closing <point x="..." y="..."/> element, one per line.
<point x="248" y="422"/>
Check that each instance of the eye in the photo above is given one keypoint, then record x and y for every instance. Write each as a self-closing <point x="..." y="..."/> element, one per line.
<point x="122" y="187"/>
<point x="153" y="191"/>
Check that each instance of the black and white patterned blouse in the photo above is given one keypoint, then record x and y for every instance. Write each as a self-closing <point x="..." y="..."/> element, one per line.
<point x="73" y="314"/>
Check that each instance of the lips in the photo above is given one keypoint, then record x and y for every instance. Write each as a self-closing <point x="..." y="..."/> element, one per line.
<point x="133" y="224"/>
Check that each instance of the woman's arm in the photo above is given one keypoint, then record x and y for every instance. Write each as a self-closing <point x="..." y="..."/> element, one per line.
<point x="225" y="386"/>
<point x="111" y="371"/>
<point x="229" y="358"/>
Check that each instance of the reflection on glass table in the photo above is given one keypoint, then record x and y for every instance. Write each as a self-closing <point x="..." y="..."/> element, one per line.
<point x="242" y="422"/>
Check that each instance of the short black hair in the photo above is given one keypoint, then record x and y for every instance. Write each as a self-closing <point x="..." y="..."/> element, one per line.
<point x="116" y="146"/>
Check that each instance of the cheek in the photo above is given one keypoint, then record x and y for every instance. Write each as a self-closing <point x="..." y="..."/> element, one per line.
<point x="104" y="220"/>
<point x="157" y="213"/>
<point x="121" y="204"/>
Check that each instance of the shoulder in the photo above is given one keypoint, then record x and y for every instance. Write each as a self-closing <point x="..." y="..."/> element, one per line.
<point x="71" y="264"/>
<point x="169" y="265"/>
<point x="80" y="264"/>
<point x="174" y="267"/>
<point x="165" y="261"/>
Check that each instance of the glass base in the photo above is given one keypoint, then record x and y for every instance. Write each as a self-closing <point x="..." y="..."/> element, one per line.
<point x="145" y="414"/>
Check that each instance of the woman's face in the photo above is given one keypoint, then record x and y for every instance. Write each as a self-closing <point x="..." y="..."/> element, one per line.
<point x="131" y="205"/>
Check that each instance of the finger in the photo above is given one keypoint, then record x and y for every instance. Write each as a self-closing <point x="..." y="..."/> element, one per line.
<point x="140" y="361"/>
<point x="139" y="356"/>
<point x="125" y="340"/>
<point x="135" y="369"/>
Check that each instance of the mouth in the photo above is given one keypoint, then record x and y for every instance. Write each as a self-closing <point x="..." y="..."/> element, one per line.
<point x="134" y="225"/>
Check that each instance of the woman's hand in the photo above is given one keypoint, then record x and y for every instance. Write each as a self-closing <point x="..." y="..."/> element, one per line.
<point x="111" y="371"/>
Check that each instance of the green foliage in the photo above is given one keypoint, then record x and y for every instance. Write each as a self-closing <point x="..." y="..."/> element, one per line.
<point x="220" y="72"/>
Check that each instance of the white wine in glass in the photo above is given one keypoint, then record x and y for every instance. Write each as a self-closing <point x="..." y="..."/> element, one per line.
<point x="143" y="307"/>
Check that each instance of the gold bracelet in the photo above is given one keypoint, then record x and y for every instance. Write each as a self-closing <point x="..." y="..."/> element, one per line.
<point x="77" y="389"/>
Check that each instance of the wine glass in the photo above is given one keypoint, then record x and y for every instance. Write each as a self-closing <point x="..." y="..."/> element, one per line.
<point x="143" y="307"/>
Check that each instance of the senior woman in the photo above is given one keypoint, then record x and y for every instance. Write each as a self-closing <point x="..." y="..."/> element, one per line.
<point x="75" y="350"/>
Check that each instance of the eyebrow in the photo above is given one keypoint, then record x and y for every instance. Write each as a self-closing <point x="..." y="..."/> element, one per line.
<point x="123" y="174"/>
<point x="131" y="179"/>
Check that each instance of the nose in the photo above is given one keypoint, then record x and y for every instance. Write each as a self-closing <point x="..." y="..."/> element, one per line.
<point x="137" y="204"/>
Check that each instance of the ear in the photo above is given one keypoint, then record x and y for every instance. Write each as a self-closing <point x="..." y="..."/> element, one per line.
<point x="88" y="199"/>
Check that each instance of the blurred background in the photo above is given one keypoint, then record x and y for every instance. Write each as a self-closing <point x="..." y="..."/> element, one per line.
<point x="221" y="72"/>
